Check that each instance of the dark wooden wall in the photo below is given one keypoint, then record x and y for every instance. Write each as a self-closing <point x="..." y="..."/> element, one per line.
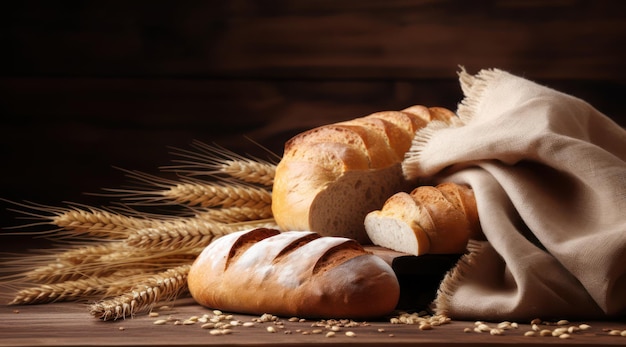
<point x="89" y="85"/>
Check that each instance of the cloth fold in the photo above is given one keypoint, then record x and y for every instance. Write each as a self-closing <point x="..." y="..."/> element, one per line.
<point x="549" y="175"/>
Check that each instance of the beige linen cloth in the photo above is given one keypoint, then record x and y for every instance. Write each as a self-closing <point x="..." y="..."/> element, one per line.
<point x="549" y="175"/>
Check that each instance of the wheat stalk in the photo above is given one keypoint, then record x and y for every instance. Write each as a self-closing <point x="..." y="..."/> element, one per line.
<point x="164" y="286"/>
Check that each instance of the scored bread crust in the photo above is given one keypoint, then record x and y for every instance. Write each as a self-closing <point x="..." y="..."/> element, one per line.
<point x="297" y="273"/>
<point x="330" y="177"/>
<point x="435" y="220"/>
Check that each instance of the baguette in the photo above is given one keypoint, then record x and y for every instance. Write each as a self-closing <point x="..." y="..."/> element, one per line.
<point x="295" y="273"/>
<point x="435" y="220"/>
<point x="330" y="177"/>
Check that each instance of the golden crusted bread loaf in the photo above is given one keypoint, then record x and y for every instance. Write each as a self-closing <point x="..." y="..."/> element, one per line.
<point x="293" y="274"/>
<point x="330" y="177"/>
<point x="428" y="220"/>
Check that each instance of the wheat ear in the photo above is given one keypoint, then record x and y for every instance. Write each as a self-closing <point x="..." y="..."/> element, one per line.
<point x="98" y="223"/>
<point x="80" y="221"/>
<point x="234" y="214"/>
<point x="122" y="257"/>
<point x="72" y="264"/>
<point x="87" y="253"/>
<point x="216" y="194"/>
<point x="80" y="289"/>
<point x="209" y="160"/>
<point x="250" y="171"/>
<point x="57" y="273"/>
<point x="187" y="233"/>
<point x="194" y="192"/>
<point x="64" y="291"/>
<point x="164" y="286"/>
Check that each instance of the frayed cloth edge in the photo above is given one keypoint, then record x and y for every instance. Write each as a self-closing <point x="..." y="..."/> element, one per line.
<point x="452" y="279"/>
<point x="411" y="163"/>
<point x="473" y="87"/>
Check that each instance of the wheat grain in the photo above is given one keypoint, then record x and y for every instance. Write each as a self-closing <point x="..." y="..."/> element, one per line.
<point x="216" y="194"/>
<point x="164" y="286"/>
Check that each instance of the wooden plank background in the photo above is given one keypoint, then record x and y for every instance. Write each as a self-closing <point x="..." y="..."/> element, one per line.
<point x="88" y="85"/>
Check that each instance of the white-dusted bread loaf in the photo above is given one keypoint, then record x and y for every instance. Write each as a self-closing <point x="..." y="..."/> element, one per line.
<point x="436" y="220"/>
<point x="330" y="177"/>
<point x="293" y="274"/>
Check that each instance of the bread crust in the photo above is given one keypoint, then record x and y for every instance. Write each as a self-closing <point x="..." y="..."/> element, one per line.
<point x="293" y="274"/>
<point x="450" y="228"/>
<point x="319" y="166"/>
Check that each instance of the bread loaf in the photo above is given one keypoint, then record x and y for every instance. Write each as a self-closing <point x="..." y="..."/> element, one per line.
<point x="436" y="220"/>
<point x="330" y="177"/>
<point x="294" y="273"/>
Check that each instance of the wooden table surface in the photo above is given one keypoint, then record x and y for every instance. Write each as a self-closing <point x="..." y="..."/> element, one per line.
<point x="69" y="324"/>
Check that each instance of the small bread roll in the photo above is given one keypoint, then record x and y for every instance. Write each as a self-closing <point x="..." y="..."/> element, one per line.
<point x="435" y="220"/>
